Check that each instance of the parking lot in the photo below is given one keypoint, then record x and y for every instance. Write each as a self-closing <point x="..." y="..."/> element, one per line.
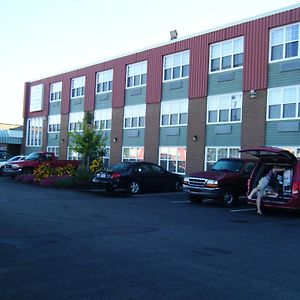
<point x="70" y="244"/>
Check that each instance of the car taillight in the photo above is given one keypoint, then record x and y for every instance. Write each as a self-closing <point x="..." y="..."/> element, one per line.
<point x="296" y="188"/>
<point x="115" y="175"/>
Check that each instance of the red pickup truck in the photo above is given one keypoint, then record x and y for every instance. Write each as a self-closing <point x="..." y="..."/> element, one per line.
<point x="33" y="161"/>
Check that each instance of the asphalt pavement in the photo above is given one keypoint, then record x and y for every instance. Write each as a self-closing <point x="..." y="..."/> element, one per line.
<point x="72" y="244"/>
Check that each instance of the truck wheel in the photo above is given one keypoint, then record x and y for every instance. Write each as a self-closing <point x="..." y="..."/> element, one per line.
<point x="27" y="171"/>
<point x="195" y="199"/>
<point x="228" y="198"/>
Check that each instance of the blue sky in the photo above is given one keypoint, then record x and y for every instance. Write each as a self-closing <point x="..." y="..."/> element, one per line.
<point x="42" y="38"/>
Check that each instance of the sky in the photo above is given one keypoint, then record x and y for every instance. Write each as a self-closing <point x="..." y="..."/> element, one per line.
<point x="41" y="38"/>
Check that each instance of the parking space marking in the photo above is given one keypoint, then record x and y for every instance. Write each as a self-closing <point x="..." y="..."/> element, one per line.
<point x="242" y="209"/>
<point x="180" y="201"/>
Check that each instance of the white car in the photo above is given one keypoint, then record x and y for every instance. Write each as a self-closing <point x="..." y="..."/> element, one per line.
<point x="14" y="158"/>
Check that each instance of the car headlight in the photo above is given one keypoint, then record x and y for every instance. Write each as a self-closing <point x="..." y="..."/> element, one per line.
<point x="185" y="180"/>
<point x="212" y="183"/>
<point x="15" y="166"/>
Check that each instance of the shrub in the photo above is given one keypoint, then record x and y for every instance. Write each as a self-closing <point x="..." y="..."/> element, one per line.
<point x="28" y="178"/>
<point x="49" y="181"/>
<point x="64" y="181"/>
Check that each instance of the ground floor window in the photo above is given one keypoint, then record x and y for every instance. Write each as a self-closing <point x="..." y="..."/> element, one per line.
<point x="293" y="149"/>
<point x="106" y="157"/>
<point x="54" y="149"/>
<point x="212" y="154"/>
<point x="34" y="132"/>
<point x="133" y="153"/>
<point x="73" y="155"/>
<point x="173" y="159"/>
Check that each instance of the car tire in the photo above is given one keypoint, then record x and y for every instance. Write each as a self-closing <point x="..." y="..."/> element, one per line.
<point x="195" y="199"/>
<point x="228" y="198"/>
<point x="134" y="187"/>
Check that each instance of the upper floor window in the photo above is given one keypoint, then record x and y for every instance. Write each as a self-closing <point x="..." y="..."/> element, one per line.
<point x="224" y="108"/>
<point x="54" y="123"/>
<point x="34" y="132"/>
<point x="104" y="81"/>
<point x="176" y="66"/>
<point x="283" y="103"/>
<point x="284" y="42"/>
<point x="76" y="121"/>
<point x="227" y="55"/>
<point x="102" y="118"/>
<point x="134" y="116"/>
<point x="77" y="87"/>
<point x="174" y="113"/>
<point x="55" y="91"/>
<point x="136" y="74"/>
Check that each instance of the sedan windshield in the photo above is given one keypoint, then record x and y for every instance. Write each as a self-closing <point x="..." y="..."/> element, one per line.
<point x="228" y="165"/>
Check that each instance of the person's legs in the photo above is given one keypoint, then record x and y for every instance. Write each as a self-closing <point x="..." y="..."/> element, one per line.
<point x="258" y="200"/>
<point x="252" y="193"/>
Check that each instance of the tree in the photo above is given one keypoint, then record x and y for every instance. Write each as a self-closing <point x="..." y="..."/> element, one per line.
<point x="90" y="143"/>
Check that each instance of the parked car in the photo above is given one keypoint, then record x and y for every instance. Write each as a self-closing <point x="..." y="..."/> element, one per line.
<point x="137" y="176"/>
<point x="14" y="158"/>
<point x="283" y="190"/>
<point x="225" y="181"/>
<point x="33" y="161"/>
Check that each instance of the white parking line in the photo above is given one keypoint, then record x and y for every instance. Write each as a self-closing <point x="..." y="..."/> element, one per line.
<point x="180" y="201"/>
<point x="242" y="209"/>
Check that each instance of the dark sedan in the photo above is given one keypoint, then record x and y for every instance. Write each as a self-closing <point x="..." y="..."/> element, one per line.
<point x="138" y="176"/>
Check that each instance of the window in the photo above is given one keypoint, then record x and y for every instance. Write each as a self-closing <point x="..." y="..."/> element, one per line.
<point x="227" y="55"/>
<point x="36" y="97"/>
<point x="73" y="155"/>
<point x="106" y="157"/>
<point x="102" y="119"/>
<point x="77" y="87"/>
<point x="174" y="113"/>
<point x="176" y="66"/>
<point x="212" y="154"/>
<point x="283" y="103"/>
<point x="54" y="123"/>
<point x="293" y="149"/>
<point x="173" y="159"/>
<point x="54" y="149"/>
<point x="136" y="74"/>
<point x="134" y="116"/>
<point x="224" y="108"/>
<point x="104" y="81"/>
<point x="76" y="121"/>
<point x="55" y="91"/>
<point x="34" y="132"/>
<point x="133" y="153"/>
<point x="284" y="42"/>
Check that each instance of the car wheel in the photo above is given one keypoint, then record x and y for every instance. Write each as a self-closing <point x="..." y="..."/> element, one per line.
<point x="134" y="187"/>
<point x="228" y="198"/>
<point x="195" y="199"/>
<point x="177" y="186"/>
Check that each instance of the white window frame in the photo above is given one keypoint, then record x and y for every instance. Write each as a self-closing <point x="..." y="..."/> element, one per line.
<point x="222" y="102"/>
<point x="174" y="109"/>
<point x="169" y="154"/>
<point x="36" y="97"/>
<point x="76" y="121"/>
<point x="106" y="157"/>
<point x="134" y="114"/>
<point x="176" y="61"/>
<point x="136" y="74"/>
<point x="104" y="81"/>
<point x="77" y="87"/>
<point x="283" y="41"/>
<point x="218" y="154"/>
<point x="54" y="123"/>
<point x="136" y="153"/>
<point x="226" y="48"/>
<point x="54" y="149"/>
<point x="281" y="100"/>
<point x="55" y="91"/>
<point x="102" y="119"/>
<point x="34" y="132"/>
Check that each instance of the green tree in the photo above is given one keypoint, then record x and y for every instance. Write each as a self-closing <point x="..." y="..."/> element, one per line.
<point x="90" y="143"/>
